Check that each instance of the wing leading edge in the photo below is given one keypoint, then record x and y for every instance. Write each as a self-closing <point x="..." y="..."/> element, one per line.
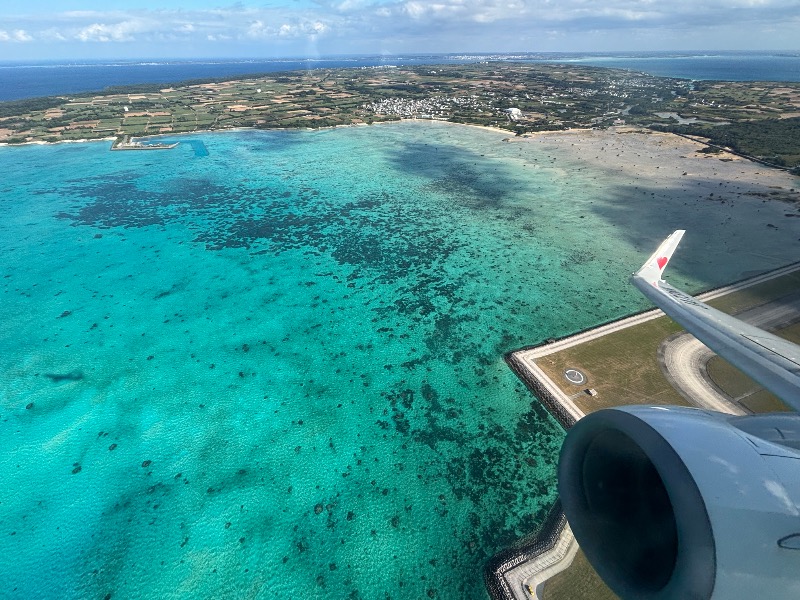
<point x="771" y="361"/>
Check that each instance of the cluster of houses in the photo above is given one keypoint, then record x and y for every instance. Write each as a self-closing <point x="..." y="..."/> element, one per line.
<point x="425" y="108"/>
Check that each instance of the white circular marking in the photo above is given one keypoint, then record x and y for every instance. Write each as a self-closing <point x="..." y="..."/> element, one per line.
<point x="575" y="376"/>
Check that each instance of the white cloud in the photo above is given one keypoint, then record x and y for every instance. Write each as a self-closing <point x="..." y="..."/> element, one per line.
<point x="124" y="31"/>
<point x="17" y="35"/>
<point x="299" y="29"/>
<point x="419" y="25"/>
<point x="257" y="29"/>
<point x="290" y="25"/>
<point x="52" y="35"/>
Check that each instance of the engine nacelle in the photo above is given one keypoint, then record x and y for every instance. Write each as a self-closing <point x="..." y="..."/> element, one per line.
<point x="670" y="502"/>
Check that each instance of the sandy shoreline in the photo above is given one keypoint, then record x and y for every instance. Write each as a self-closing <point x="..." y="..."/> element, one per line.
<point x="649" y="159"/>
<point x="41" y="143"/>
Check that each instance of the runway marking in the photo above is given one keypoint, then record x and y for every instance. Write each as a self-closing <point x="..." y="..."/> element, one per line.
<point x="575" y="376"/>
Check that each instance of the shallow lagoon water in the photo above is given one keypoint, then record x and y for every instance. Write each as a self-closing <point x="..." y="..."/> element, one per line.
<point x="275" y="369"/>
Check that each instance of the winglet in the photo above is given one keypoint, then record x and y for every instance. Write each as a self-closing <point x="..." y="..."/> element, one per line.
<point x="652" y="269"/>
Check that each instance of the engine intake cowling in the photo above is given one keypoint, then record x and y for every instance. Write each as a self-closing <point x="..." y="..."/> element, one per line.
<point x="671" y="502"/>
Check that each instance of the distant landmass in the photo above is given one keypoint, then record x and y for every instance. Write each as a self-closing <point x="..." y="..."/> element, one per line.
<point x="759" y="121"/>
<point x="45" y="78"/>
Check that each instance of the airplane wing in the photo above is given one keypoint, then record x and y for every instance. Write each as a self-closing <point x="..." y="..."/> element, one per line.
<point x="670" y="502"/>
<point x="768" y="359"/>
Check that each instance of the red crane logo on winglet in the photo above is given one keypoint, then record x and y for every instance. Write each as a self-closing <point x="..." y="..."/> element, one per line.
<point x="661" y="262"/>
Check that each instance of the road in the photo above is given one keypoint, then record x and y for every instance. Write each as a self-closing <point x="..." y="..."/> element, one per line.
<point x="683" y="357"/>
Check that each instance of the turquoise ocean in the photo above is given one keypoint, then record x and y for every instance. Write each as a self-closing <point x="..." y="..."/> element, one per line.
<point x="270" y="364"/>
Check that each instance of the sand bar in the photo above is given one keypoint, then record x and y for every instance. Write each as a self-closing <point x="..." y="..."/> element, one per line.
<point x="654" y="159"/>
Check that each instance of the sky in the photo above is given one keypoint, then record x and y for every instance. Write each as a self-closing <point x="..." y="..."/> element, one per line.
<point x="59" y="29"/>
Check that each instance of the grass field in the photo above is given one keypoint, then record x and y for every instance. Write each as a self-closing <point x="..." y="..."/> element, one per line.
<point x="579" y="582"/>
<point x="622" y="368"/>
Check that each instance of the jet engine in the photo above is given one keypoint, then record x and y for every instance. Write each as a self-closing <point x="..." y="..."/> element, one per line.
<point x="671" y="502"/>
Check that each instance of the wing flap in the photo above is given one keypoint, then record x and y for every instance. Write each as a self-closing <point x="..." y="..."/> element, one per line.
<point x="779" y="346"/>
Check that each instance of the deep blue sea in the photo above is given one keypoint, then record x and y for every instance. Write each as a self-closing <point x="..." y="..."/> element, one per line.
<point x="32" y="79"/>
<point x="725" y="67"/>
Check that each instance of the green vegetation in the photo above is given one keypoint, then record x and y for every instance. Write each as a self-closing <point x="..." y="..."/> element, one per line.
<point x="738" y="385"/>
<point x="775" y="141"/>
<point x="14" y="108"/>
<point x="757" y="119"/>
<point x="579" y="582"/>
<point x="758" y="294"/>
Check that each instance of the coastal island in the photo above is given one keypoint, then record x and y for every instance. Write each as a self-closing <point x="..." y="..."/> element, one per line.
<point x="759" y="120"/>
